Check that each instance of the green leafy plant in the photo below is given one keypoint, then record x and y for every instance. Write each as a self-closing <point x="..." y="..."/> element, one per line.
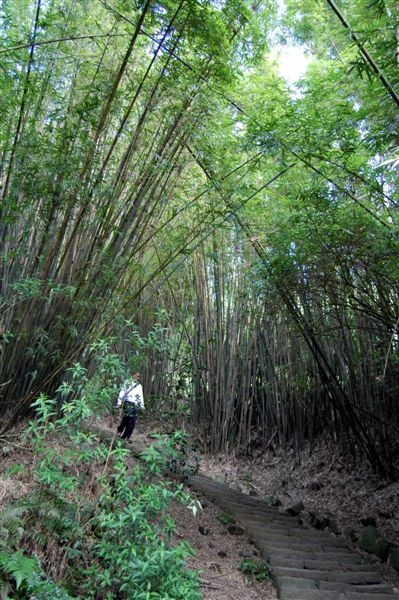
<point x="255" y="569"/>
<point x="17" y="567"/>
<point x="182" y="457"/>
<point x="21" y="576"/>
<point x="226" y="518"/>
<point x="133" y="534"/>
<point x="15" y="469"/>
<point x="116" y="544"/>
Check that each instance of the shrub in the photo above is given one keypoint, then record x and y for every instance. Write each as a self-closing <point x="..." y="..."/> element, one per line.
<point x="116" y="545"/>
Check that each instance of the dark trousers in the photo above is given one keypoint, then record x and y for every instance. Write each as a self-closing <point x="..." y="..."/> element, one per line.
<point x="127" y="425"/>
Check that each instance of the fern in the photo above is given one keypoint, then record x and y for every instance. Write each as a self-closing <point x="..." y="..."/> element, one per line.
<point x="11" y="529"/>
<point x="12" y="513"/>
<point x="41" y="587"/>
<point x="25" y="575"/>
<point x="39" y="538"/>
<point x="17" y="566"/>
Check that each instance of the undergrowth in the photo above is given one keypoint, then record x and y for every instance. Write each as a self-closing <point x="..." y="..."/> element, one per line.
<point x="91" y="528"/>
<point x="254" y="569"/>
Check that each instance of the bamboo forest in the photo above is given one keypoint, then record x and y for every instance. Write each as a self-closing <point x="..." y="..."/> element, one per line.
<point x="202" y="191"/>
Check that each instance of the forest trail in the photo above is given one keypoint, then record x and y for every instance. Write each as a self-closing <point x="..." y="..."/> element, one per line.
<point x="306" y="564"/>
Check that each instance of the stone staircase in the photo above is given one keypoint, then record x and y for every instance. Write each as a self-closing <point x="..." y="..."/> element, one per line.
<point x="306" y="564"/>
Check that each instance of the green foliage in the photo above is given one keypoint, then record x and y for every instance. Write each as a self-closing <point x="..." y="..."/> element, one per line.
<point x="121" y="544"/>
<point x="45" y="409"/>
<point x="30" y="287"/>
<point x="175" y="453"/>
<point x="15" y="469"/>
<point x="85" y="157"/>
<point x="178" y="153"/>
<point x="40" y="587"/>
<point x="24" y="576"/>
<point x="255" y="569"/>
<point x="17" y="567"/>
<point x="130" y="549"/>
<point x="226" y="518"/>
<point x="11" y="520"/>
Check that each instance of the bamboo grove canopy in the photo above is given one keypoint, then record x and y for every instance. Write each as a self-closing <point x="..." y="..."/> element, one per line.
<point x="162" y="181"/>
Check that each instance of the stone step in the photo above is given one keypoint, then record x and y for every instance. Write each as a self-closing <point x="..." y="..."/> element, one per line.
<point x="312" y="584"/>
<point x="274" y="516"/>
<point x="336" y="586"/>
<point x="354" y="578"/>
<point x="296" y="543"/>
<point x="278" y="529"/>
<point x="362" y="589"/>
<point x="312" y="551"/>
<point x="297" y="583"/>
<point x="293" y="532"/>
<point x="295" y="594"/>
<point x="306" y="553"/>
<point x="256" y="505"/>
<point x="364" y="577"/>
<point x="314" y="565"/>
<point x="263" y="519"/>
<point x="300" y="594"/>
<point x="369" y="596"/>
<point x="318" y="565"/>
<point x="283" y="530"/>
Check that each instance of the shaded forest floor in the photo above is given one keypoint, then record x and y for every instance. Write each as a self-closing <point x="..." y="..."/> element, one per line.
<point x="218" y="554"/>
<point x="328" y="488"/>
<point x="348" y="497"/>
<point x="331" y="489"/>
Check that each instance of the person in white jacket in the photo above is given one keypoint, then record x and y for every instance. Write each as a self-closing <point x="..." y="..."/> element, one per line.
<point x="131" y="399"/>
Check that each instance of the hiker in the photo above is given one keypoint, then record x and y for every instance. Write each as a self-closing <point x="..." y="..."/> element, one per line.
<point x="131" y="399"/>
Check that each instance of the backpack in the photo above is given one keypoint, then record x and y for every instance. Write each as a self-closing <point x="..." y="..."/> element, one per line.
<point x="129" y="408"/>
